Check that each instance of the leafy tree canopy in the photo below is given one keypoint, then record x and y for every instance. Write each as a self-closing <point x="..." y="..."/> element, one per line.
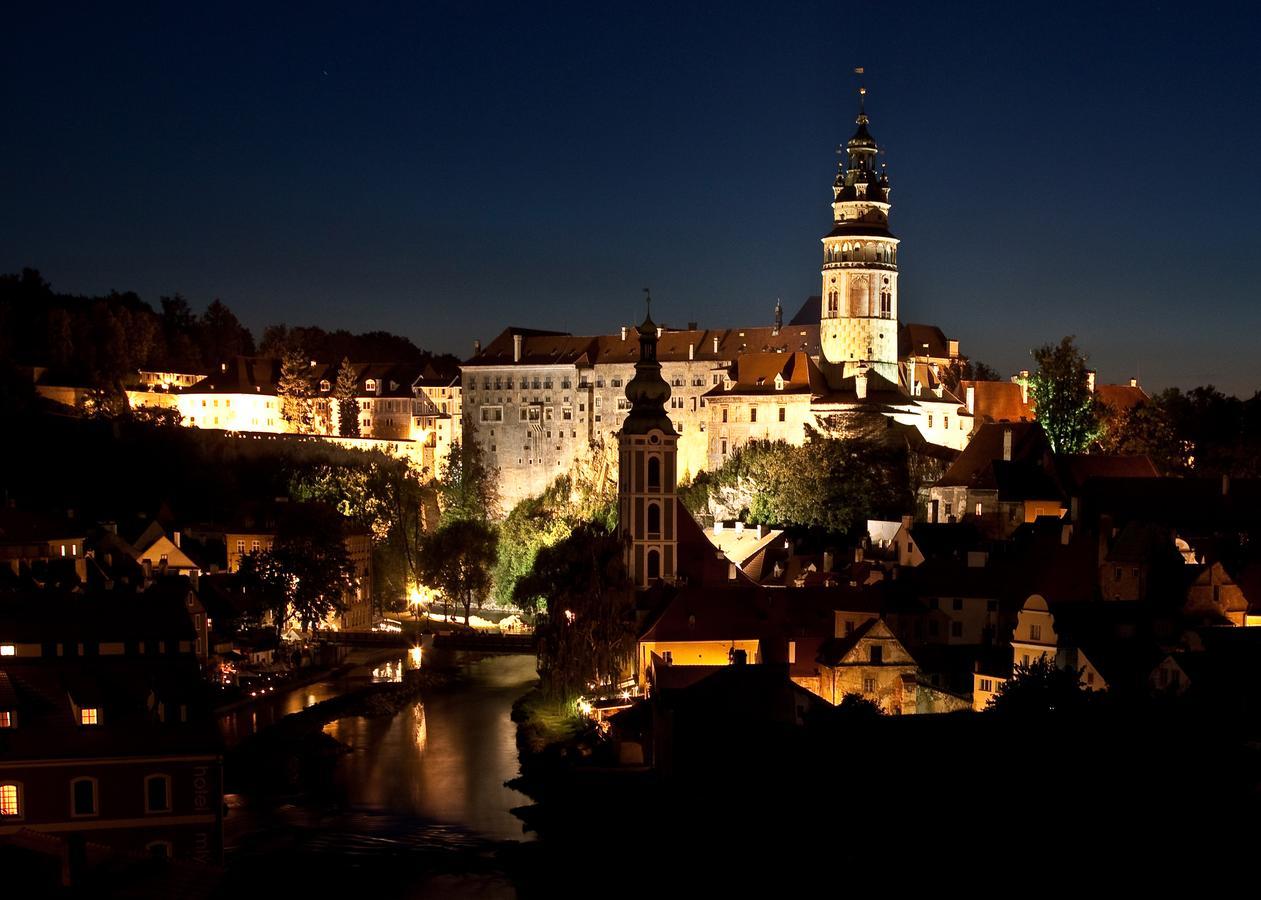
<point x="457" y="559"/>
<point x="1064" y="404"/>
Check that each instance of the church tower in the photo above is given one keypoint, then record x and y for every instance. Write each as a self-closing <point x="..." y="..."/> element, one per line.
<point x="646" y="491"/>
<point x="859" y="324"/>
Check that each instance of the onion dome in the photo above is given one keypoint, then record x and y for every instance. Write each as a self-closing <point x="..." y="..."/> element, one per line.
<point x="647" y="392"/>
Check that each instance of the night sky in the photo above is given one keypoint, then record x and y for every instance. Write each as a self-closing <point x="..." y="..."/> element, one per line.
<point x="444" y="170"/>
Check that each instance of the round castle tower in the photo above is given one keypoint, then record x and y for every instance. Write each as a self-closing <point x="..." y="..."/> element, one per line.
<point x="859" y="323"/>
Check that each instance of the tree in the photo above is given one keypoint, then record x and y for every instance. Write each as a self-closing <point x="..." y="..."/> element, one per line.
<point x="587" y="636"/>
<point x="1039" y="688"/>
<point x="344" y="391"/>
<point x="223" y="337"/>
<point x="1063" y="401"/>
<point x="961" y="370"/>
<point x="457" y="559"/>
<point x="467" y="488"/>
<point x="307" y="573"/>
<point x="1147" y="430"/>
<point x="294" y="390"/>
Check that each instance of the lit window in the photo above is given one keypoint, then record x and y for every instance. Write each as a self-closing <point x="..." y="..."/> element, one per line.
<point x="7" y="650"/>
<point x="1035" y="632"/>
<point x="11" y="800"/>
<point x="88" y="716"/>
<point x="159" y="849"/>
<point x="6" y="718"/>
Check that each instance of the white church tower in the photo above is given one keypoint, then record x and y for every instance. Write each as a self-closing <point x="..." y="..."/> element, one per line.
<point x="859" y="324"/>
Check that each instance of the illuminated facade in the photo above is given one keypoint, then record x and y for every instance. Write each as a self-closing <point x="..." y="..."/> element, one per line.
<point x="859" y="294"/>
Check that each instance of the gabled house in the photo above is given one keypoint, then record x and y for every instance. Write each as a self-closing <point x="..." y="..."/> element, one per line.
<point x="869" y="661"/>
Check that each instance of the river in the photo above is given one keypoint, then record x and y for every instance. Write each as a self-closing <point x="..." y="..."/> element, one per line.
<point x="415" y="786"/>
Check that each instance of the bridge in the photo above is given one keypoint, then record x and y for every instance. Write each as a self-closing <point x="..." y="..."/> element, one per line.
<point x="482" y="642"/>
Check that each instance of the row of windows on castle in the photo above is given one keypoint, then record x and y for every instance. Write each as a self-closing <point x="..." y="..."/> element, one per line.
<point x="541" y="413"/>
<point x="875" y="252"/>
<point x="538" y="383"/>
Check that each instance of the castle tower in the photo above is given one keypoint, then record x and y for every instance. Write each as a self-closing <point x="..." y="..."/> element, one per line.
<point x="859" y="323"/>
<point x="646" y="491"/>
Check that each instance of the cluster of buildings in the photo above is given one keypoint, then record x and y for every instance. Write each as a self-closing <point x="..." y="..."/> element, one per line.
<point x="409" y="411"/>
<point x="1144" y="586"/>
<point x="117" y="643"/>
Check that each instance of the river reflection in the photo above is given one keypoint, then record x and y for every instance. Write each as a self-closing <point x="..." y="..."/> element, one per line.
<point x="444" y="760"/>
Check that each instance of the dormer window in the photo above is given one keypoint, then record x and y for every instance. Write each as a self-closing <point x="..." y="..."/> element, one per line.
<point x="779" y="382"/>
<point x="370" y="385"/>
<point x="8" y="718"/>
<point x="89" y="715"/>
<point x="325" y="387"/>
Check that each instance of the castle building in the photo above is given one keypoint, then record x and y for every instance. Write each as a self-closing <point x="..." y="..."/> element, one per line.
<point x="539" y="401"/>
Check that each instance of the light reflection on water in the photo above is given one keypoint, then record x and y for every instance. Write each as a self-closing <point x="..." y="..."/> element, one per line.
<point x="447" y="759"/>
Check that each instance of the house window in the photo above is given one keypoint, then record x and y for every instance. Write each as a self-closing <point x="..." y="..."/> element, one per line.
<point x="240" y="548"/>
<point x="83" y="797"/>
<point x="654" y="520"/>
<point x="930" y="420"/>
<point x="877" y="654"/>
<point x="1116" y="574"/>
<point x="370" y="385"/>
<point x="781" y="413"/>
<point x="987" y="685"/>
<point x="157" y="794"/>
<point x="869" y="685"/>
<point x="7" y="719"/>
<point x="7" y="649"/>
<point x="654" y="473"/>
<point x="753" y="414"/>
<point x="1035" y="632"/>
<point x="89" y="716"/>
<point x="159" y="849"/>
<point x="654" y="565"/>
<point x="978" y="507"/>
<point x="11" y="800"/>
<point x="958" y="603"/>
<point x="956" y="629"/>
<point x="724" y="413"/>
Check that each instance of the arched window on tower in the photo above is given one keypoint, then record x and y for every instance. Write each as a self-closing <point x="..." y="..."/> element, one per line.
<point x="654" y="520"/>
<point x="654" y="565"/>
<point x="886" y="298"/>
<point x="654" y="473"/>
<point x="858" y="252"/>
<point x="845" y="253"/>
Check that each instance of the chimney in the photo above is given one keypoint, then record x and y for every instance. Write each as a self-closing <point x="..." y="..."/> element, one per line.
<point x="1023" y="379"/>
<point x="691" y="351"/>
<point x="910" y="376"/>
<point x="691" y="326"/>
<point x="660" y="329"/>
<point x="1006" y="445"/>
<point x="623" y="332"/>
<point x="477" y="347"/>
<point x="971" y="399"/>
<point x="1133" y="382"/>
<point x="1090" y="380"/>
<point x="715" y="343"/>
<point x="516" y="348"/>
<point x="860" y="385"/>
<point x="175" y="538"/>
<point x="954" y="349"/>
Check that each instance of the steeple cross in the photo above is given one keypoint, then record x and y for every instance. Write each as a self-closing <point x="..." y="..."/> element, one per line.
<point x="648" y="300"/>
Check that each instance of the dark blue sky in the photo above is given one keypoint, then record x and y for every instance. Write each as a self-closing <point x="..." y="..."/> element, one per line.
<point x="443" y="170"/>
